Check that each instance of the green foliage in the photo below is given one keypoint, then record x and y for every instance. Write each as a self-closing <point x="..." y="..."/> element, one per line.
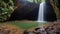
<point x="6" y="9"/>
<point x="36" y="1"/>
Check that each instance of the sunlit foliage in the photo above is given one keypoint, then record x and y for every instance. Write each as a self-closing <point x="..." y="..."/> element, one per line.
<point x="6" y="8"/>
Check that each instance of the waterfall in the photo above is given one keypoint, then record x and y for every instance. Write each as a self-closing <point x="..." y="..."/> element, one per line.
<point x="41" y="12"/>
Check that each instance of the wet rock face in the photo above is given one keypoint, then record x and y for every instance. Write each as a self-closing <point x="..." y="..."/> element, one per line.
<point x="28" y="11"/>
<point x="49" y="14"/>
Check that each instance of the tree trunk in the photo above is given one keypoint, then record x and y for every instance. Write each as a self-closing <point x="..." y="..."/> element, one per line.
<point x="54" y="3"/>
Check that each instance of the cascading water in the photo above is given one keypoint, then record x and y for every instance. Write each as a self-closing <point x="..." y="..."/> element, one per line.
<point x="41" y="12"/>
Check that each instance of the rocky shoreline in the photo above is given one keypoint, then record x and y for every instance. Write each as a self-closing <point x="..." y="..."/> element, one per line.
<point x="49" y="28"/>
<point x="52" y="28"/>
<point x="8" y="29"/>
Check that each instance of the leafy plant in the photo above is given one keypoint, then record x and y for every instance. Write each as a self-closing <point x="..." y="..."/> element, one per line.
<point x="6" y="8"/>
